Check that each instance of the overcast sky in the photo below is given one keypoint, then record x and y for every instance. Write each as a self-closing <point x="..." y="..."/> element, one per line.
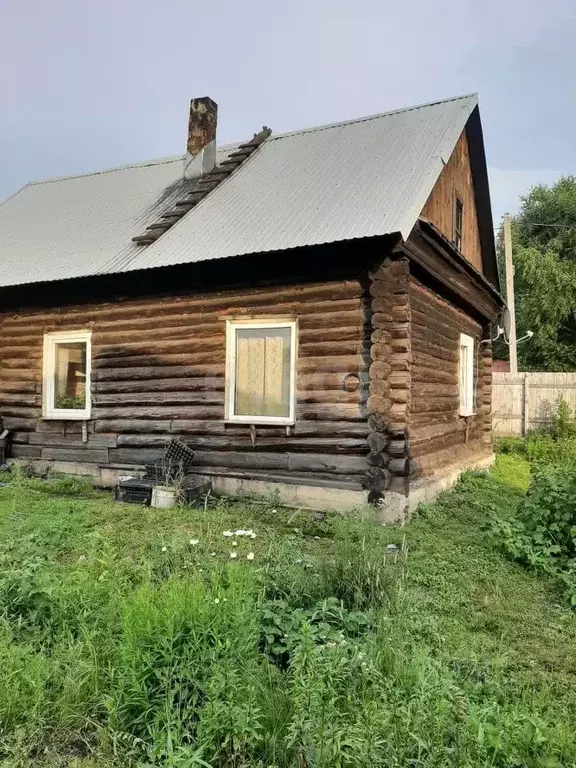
<point x="87" y="84"/>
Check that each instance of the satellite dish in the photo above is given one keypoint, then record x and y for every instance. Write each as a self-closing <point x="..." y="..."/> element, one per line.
<point x="506" y="322"/>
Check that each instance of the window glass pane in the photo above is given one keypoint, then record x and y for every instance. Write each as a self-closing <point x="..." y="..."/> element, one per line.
<point x="70" y="375"/>
<point x="464" y="405"/>
<point x="263" y="372"/>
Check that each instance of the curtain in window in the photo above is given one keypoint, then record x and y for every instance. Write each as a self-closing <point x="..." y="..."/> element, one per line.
<point x="263" y="372"/>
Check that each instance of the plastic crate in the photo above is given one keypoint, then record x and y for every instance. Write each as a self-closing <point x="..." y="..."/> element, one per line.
<point x="134" y="491"/>
<point x="195" y="488"/>
<point x="177" y="462"/>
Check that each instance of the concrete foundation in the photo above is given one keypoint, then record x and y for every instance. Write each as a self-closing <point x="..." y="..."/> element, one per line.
<point x="396" y="507"/>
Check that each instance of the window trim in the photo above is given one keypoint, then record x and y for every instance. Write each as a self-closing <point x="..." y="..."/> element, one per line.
<point x="464" y="408"/>
<point x="51" y="340"/>
<point x="238" y="325"/>
<point x="458" y="233"/>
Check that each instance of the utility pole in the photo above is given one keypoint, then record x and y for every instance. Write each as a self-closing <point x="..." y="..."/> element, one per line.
<point x="510" y="293"/>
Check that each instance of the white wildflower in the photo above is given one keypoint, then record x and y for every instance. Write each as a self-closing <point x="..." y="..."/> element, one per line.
<point x="217" y="601"/>
<point x="249" y="532"/>
<point x="194" y="542"/>
<point x="228" y="534"/>
<point x="233" y="555"/>
<point x="234" y="543"/>
<point x="250" y="556"/>
<point x="240" y="532"/>
<point x="225" y="600"/>
<point x="274" y="511"/>
<point x="164" y="549"/>
<point x="252" y="535"/>
<point x="212" y="554"/>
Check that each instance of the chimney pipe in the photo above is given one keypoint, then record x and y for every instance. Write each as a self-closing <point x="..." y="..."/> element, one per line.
<point x="201" y="145"/>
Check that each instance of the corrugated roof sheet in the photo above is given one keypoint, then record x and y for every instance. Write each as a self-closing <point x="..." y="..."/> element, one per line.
<point x="338" y="182"/>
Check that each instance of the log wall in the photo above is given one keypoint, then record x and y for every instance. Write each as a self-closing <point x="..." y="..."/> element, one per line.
<point x="456" y="179"/>
<point x="390" y="379"/>
<point x="159" y="371"/>
<point x="438" y="434"/>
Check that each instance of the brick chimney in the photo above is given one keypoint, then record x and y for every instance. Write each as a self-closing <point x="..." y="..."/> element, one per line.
<point x="201" y="146"/>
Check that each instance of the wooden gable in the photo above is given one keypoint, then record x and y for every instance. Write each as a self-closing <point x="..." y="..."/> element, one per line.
<point x="456" y="183"/>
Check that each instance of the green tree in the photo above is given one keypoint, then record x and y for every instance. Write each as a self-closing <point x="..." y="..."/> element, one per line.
<point x="544" y="247"/>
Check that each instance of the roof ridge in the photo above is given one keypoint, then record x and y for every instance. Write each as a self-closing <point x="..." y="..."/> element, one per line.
<point x="341" y="123"/>
<point x="124" y="167"/>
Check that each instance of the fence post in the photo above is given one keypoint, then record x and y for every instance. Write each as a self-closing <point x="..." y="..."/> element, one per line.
<point x="525" y="414"/>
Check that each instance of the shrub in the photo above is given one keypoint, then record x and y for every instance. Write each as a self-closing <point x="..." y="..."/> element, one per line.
<point x="563" y="424"/>
<point x="543" y="533"/>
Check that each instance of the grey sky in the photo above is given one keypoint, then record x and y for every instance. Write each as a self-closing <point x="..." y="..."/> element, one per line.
<point x="88" y="84"/>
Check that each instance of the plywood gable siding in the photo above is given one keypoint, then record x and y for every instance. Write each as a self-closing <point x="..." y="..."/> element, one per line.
<point x="456" y="181"/>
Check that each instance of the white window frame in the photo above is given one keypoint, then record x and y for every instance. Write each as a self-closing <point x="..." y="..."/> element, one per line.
<point x="239" y="325"/>
<point x="467" y="403"/>
<point x="51" y="340"/>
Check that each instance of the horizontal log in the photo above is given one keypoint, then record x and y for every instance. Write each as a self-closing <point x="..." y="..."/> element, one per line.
<point x="232" y="301"/>
<point x="21" y="411"/>
<point x="379" y="387"/>
<point x="424" y="430"/>
<point x="380" y="370"/>
<point x="25" y="451"/>
<point x="377" y="441"/>
<point x="401" y="361"/>
<point x="399" y="467"/>
<point x="338" y="445"/>
<point x="332" y="396"/>
<point x="135" y="425"/>
<point x="380" y="351"/>
<point x="377" y="459"/>
<point x="189" y="358"/>
<point x="157" y="371"/>
<point x="192" y="384"/>
<point x="380" y="336"/>
<point x="72" y="441"/>
<point x="426" y="362"/>
<point x="135" y="455"/>
<point x="437" y="403"/>
<point x="19" y="387"/>
<point x="333" y="364"/>
<point x="314" y="479"/>
<point x="16" y="374"/>
<point x="377" y="422"/>
<point x="425" y="375"/>
<point x="400" y="380"/>
<point x="159" y="412"/>
<point x="378" y="404"/>
<point x="383" y="306"/>
<point x="13" y="398"/>
<point x="159" y="398"/>
<point x="317" y="462"/>
<point x="398" y="448"/>
<point x="86" y="455"/>
<point x="382" y="320"/>
<point x="440" y="353"/>
<point x="332" y="412"/>
<point x="378" y="477"/>
<point x="142" y="345"/>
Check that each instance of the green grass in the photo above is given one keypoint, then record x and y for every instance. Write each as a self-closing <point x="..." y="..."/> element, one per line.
<point x="122" y="643"/>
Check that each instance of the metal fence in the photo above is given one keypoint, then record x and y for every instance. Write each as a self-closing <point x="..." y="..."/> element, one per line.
<point x="525" y="401"/>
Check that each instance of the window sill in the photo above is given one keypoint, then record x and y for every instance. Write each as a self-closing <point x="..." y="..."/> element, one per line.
<point x="66" y="416"/>
<point x="467" y="414"/>
<point x="259" y="422"/>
